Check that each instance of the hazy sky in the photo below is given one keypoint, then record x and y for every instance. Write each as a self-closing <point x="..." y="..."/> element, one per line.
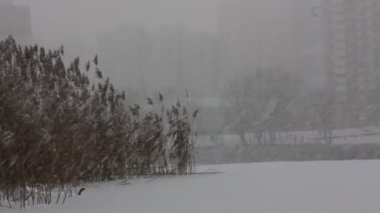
<point x="64" y="19"/>
<point x="76" y="23"/>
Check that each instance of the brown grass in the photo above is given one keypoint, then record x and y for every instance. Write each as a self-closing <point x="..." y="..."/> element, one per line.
<point x="59" y="131"/>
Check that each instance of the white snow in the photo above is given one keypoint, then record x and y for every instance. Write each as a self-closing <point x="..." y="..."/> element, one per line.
<point x="367" y="135"/>
<point x="311" y="187"/>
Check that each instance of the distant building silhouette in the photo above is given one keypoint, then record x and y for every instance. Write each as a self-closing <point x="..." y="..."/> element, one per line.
<point x="341" y="40"/>
<point x="16" y="21"/>
<point x="255" y="35"/>
<point x="351" y="38"/>
<point x="170" y="57"/>
<point x="308" y="33"/>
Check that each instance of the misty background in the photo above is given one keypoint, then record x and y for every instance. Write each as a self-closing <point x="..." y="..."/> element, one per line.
<point x="93" y="91"/>
<point x="267" y="30"/>
<point x="261" y="71"/>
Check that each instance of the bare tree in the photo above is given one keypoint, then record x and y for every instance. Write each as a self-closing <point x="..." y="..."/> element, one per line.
<point x="259" y="104"/>
<point x="324" y="113"/>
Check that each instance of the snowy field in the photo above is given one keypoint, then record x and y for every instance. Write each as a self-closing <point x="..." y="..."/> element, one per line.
<point x="311" y="187"/>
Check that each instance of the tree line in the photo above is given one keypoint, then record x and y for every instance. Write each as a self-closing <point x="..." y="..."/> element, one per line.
<point x="269" y="101"/>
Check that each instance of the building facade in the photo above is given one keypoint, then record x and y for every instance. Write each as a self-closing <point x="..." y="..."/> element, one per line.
<point x="351" y="43"/>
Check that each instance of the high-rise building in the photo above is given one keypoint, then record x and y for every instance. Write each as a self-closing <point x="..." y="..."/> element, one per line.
<point x="15" y="20"/>
<point x="351" y="42"/>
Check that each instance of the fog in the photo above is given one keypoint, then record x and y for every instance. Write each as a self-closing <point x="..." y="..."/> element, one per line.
<point x="86" y="18"/>
<point x="96" y="94"/>
<point x="79" y="24"/>
<point x="257" y="69"/>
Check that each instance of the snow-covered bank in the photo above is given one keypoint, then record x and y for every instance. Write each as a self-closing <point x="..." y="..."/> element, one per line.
<point x="281" y="153"/>
<point x="336" y="187"/>
<point x="365" y="135"/>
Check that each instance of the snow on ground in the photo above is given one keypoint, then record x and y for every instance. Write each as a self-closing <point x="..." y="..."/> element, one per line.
<point x="366" y="135"/>
<point x="311" y="187"/>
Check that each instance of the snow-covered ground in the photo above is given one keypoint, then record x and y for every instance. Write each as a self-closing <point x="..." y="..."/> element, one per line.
<point x="311" y="187"/>
<point x="367" y="135"/>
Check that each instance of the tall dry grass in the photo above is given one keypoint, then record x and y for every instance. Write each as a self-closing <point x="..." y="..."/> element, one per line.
<point x="59" y="130"/>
